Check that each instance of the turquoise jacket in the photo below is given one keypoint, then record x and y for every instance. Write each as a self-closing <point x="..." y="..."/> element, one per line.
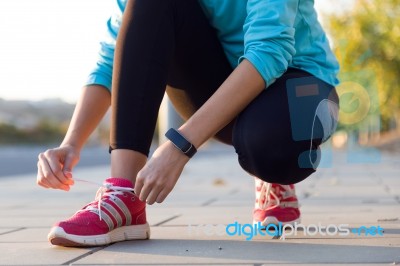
<point x="272" y="34"/>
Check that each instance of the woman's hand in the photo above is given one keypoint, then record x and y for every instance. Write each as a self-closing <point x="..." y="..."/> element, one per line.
<point x="55" y="167"/>
<point x="160" y="174"/>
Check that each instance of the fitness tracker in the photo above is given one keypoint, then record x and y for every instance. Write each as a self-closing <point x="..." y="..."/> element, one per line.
<point x="180" y="142"/>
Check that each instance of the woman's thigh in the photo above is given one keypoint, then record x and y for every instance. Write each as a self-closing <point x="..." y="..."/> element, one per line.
<point x="198" y="68"/>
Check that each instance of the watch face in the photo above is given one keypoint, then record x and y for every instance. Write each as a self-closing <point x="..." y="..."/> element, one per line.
<point x="179" y="141"/>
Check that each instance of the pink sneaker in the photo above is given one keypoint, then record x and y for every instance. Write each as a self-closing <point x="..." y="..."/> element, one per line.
<point x="275" y="203"/>
<point x="117" y="214"/>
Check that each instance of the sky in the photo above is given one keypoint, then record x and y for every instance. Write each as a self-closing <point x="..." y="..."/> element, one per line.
<point x="48" y="47"/>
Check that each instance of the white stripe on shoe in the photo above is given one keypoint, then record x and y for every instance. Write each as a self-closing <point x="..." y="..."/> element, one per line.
<point x="111" y="209"/>
<point x="104" y="216"/>
<point x="124" y="209"/>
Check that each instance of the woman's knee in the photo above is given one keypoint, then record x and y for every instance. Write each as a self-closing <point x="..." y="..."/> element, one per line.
<point x="277" y="136"/>
<point x="262" y="137"/>
<point x="275" y="157"/>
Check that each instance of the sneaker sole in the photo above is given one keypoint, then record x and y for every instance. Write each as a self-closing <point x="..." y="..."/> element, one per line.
<point x="274" y="220"/>
<point x="59" y="237"/>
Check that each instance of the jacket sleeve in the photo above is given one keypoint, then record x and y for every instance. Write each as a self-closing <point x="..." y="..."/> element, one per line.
<point x="269" y="36"/>
<point x="102" y="71"/>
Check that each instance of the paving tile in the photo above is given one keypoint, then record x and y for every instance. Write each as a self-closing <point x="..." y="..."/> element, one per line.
<point x="26" y="235"/>
<point x="394" y="191"/>
<point x="348" y="212"/>
<point x="30" y="247"/>
<point x="174" y="247"/>
<point x="212" y="215"/>
<point x="388" y="234"/>
<point x="44" y="222"/>
<point x="6" y="230"/>
<point x="323" y="264"/>
<point x="191" y="198"/>
<point x="345" y="218"/>
<point x="243" y="196"/>
<point x="212" y="193"/>
<point x="157" y="215"/>
<point x="239" y="201"/>
<point x="180" y="264"/>
<point x="28" y="253"/>
<point x="45" y="215"/>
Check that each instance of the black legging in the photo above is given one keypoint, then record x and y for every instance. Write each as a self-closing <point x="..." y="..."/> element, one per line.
<point x="170" y="42"/>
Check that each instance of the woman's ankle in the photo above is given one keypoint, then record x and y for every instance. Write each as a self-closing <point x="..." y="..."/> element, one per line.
<point x="127" y="163"/>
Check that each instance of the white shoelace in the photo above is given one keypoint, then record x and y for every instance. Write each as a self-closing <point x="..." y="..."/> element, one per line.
<point x="265" y="192"/>
<point x="105" y="189"/>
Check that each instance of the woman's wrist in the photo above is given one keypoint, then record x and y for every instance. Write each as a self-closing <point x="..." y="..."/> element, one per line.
<point x="75" y="144"/>
<point x="195" y="137"/>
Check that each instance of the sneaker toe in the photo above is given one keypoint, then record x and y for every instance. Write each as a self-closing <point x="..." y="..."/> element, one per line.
<point x="83" y="226"/>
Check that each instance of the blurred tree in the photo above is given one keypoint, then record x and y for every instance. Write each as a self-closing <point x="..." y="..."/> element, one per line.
<point x="44" y="132"/>
<point x="366" y="41"/>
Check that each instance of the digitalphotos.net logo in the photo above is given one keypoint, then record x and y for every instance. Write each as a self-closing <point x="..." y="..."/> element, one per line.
<point x="249" y="231"/>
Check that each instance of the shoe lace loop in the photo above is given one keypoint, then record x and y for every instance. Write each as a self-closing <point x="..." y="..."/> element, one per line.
<point x="266" y="191"/>
<point x="110" y="191"/>
<point x="105" y="190"/>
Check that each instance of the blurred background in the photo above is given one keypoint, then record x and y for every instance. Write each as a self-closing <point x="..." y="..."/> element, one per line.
<point x="48" y="47"/>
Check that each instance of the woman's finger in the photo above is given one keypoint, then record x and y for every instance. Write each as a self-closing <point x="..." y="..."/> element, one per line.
<point x="40" y="180"/>
<point x="53" y="159"/>
<point x="163" y="195"/>
<point x="48" y="175"/>
<point x="144" y="192"/>
<point x="138" y="185"/>
<point x="152" y="196"/>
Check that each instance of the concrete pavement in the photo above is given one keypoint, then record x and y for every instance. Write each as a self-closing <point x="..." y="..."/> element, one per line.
<point x="212" y="193"/>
